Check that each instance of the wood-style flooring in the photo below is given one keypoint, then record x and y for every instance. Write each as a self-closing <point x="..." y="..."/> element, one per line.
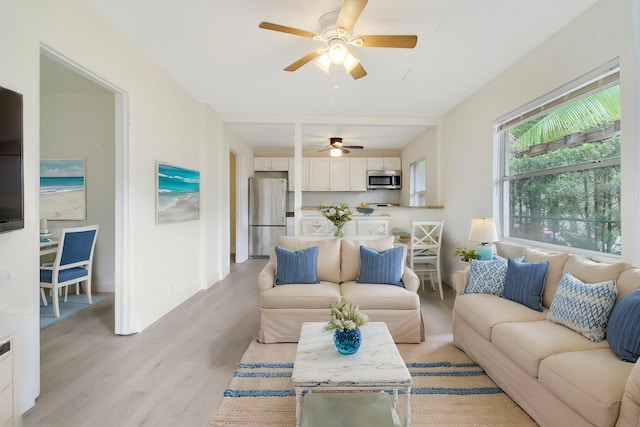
<point x="174" y="372"/>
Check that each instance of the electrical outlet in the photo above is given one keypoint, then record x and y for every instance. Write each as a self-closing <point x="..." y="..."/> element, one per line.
<point x="6" y="278"/>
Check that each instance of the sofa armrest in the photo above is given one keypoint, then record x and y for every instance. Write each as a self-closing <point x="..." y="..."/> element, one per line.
<point x="461" y="279"/>
<point x="410" y="280"/>
<point x="267" y="277"/>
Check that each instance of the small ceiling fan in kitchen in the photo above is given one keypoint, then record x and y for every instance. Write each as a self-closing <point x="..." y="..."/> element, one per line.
<point x="337" y="38"/>
<point x="338" y="148"/>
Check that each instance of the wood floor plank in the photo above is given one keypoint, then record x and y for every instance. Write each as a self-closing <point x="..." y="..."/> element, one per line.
<point x="173" y="373"/>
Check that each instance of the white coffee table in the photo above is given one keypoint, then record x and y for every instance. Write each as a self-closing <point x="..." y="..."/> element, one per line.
<point x="376" y="366"/>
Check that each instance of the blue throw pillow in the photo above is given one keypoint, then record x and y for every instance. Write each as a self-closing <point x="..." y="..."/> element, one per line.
<point x="524" y="282"/>
<point x="623" y="329"/>
<point x="296" y="267"/>
<point x="585" y="308"/>
<point x="487" y="276"/>
<point x="380" y="267"/>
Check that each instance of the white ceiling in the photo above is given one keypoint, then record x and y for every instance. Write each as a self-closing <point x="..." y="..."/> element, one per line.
<point x="216" y="52"/>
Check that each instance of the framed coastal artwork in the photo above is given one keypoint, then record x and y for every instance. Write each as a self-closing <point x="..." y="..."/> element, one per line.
<point x="178" y="194"/>
<point x="63" y="194"/>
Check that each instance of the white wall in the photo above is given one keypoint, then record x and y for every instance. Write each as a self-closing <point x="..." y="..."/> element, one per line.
<point x="602" y="33"/>
<point x="82" y="126"/>
<point x="426" y="146"/>
<point x="164" y="264"/>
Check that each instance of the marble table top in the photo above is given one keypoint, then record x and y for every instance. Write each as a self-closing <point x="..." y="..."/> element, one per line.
<point x="377" y="364"/>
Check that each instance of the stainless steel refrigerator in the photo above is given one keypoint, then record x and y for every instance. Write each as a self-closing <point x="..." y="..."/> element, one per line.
<point x="267" y="214"/>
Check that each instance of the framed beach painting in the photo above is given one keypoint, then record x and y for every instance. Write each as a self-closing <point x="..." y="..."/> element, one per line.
<point x="63" y="194"/>
<point x="178" y="194"/>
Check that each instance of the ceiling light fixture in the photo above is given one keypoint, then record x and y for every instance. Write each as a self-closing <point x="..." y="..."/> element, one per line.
<point x="337" y="51"/>
<point x="324" y="63"/>
<point x="350" y="62"/>
<point x="336" y="152"/>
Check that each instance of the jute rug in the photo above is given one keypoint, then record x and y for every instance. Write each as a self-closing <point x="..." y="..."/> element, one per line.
<point x="448" y="389"/>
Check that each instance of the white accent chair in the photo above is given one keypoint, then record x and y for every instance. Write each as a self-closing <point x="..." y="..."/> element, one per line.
<point x="424" y="251"/>
<point x="372" y="227"/>
<point x="72" y="265"/>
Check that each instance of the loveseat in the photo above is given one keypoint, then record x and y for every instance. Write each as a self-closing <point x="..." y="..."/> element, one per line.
<point x="284" y="307"/>
<point x="557" y="375"/>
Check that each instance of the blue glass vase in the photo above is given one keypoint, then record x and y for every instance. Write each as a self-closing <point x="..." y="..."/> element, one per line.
<point x="347" y="342"/>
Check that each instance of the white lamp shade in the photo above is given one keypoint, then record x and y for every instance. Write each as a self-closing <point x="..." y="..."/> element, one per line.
<point x="324" y="63"/>
<point x="483" y="230"/>
<point x="336" y="152"/>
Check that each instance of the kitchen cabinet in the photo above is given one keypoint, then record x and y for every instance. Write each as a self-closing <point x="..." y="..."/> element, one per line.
<point x="384" y="163"/>
<point x="304" y="181"/>
<point x="317" y="227"/>
<point x="271" y="164"/>
<point x="339" y="174"/>
<point x="358" y="173"/>
<point x="319" y="174"/>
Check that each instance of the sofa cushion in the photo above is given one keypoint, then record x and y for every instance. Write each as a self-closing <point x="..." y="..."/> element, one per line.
<point x="524" y="282"/>
<point x="328" y="255"/>
<point x="628" y="281"/>
<point x="295" y="296"/>
<point x="350" y="255"/>
<point x="590" y="382"/>
<point x="623" y="329"/>
<point x="296" y="266"/>
<point x="528" y="343"/>
<point x="554" y="272"/>
<point x="380" y="267"/>
<point x="585" y="308"/>
<point x="487" y="276"/>
<point x="588" y="271"/>
<point x="373" y="296"/>
<point x="483" y="311"/>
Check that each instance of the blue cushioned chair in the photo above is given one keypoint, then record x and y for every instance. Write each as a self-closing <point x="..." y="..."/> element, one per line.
<point x="72" y="264"/>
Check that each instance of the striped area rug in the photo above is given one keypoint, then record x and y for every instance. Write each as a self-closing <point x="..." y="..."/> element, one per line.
<point x="448" y="389"/>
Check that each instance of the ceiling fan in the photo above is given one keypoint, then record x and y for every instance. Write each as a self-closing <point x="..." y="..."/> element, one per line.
<point x="335" y="143"/>
<point x="336" y="36"/>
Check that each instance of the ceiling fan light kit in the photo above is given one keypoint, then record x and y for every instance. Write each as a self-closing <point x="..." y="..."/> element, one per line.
<point x="336" y="34"/>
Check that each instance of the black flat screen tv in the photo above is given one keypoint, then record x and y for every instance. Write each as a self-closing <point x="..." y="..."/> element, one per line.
<point x="11" y="163"/>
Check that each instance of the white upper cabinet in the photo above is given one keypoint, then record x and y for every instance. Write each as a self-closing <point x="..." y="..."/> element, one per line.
<point x="319" y="174"/>
<point x="358" y="173"/>
<point x="384" y="163"/>
<point x="339" y="174"/>
<point x="270" y="163"/>
<point x="305" y="174"/>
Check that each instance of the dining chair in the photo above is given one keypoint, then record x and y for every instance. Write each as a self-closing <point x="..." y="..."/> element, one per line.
<point x="424" y="251"/>
<point x="72" y="264"/>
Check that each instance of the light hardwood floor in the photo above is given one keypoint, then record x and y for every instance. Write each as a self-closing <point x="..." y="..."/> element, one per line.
<point x="173" y="373"/>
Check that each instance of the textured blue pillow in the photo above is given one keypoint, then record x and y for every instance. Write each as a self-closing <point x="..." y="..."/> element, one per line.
<point x="296" y="267"/>
<point x="381" y="267"/>
<point x="487" y="276"/>
<point x="585" y="308"/>
<point x="524" y="282"/>
<point x="623" y="329"/>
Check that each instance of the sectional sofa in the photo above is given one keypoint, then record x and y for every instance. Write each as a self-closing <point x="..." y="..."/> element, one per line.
<point x="283" y="308"/>
<point x="557" y="375"/>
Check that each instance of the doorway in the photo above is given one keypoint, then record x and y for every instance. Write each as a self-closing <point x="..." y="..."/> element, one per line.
<point x="82" y="117"/>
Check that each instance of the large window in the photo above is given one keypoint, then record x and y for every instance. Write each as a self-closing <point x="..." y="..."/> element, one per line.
<point x="561" y="168"/>
<point x="417" y="183"/>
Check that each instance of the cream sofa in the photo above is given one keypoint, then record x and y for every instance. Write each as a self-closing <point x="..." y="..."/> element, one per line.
<point x="284" y="308"/>
<point x="555" y="374"/>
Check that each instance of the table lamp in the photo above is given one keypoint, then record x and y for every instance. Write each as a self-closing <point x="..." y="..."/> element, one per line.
<point x="483" y="230"/>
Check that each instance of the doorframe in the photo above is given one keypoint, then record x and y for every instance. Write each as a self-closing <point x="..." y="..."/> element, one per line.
<point x="242" y="242"/>
<point x="122" y="211"/>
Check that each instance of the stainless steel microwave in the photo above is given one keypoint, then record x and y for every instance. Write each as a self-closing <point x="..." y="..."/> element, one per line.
<point x="384" y="179"/>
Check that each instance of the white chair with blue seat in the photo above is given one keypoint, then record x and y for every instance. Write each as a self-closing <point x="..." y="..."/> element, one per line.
<point x="424" y="251"/>
<point x="72" y="265"/>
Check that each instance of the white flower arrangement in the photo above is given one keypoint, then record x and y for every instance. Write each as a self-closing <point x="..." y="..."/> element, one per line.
<point x="339" y="215"/>
<point x="345" y="317"/>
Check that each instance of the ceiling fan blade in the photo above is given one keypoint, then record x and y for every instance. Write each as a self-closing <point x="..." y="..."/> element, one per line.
<point x="353" y="147"/>
<point x="358" y="72"/>
<point x="302" y="61"/>
<point x="389" y="41"/>
<point x="349" y="14"/>
<point x="344" y="150"/>
<point x="288" y="30"/>
<point x="326" y="149"/>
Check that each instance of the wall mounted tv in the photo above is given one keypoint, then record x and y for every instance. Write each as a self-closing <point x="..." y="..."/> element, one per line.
<point x="11" y="164"/>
